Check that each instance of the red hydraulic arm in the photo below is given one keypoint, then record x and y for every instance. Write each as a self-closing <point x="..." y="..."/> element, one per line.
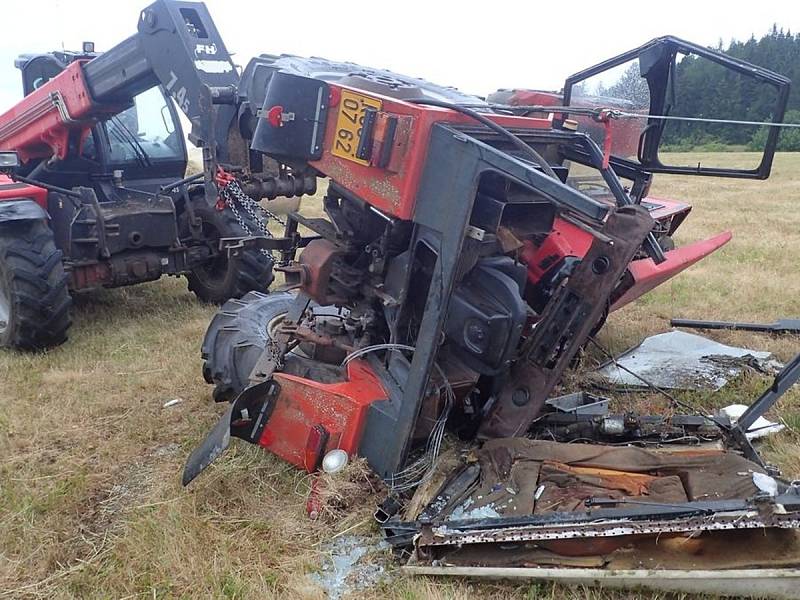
<point x="55" y="119"/>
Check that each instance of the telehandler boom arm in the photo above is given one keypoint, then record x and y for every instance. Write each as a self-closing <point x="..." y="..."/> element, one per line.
<point x="177" y="46"/>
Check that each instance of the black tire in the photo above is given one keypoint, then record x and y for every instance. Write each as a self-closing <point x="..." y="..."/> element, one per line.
<point x="221" y="279"/>
<point x="236" y="337"/>
<point x="34" y="299"/>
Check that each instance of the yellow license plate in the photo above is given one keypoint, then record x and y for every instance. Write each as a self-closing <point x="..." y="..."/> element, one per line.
<point x="349" y="123"/>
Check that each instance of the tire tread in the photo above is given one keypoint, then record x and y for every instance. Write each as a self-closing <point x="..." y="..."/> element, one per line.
<point x="38" y="294"/>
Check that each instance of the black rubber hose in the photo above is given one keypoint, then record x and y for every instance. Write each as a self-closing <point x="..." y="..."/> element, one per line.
<point x="538" y="158"/>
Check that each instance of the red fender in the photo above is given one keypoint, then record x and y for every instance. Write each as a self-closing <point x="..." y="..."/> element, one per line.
<point x="646" y="274"/>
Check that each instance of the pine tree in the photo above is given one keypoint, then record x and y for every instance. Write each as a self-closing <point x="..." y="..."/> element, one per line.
<point x="706" y="89"/>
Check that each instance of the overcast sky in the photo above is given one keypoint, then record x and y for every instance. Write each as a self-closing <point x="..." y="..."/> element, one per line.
<point x="476" y="46"/>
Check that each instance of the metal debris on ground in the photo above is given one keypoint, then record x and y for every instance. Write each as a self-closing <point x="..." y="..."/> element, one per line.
<point x="761" y="427"/>
<point x="791" y="326"/>
<point x="625" y="428"/>
<point x="679" y="360"/>
<point x="612" y="512"/>
<point x="712" y="519"/>
<point x="584" y="417"/>
<point x="579" y="403"/>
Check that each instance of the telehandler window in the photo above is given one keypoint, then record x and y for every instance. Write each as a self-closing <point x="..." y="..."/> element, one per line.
<point x="145" y="132"/>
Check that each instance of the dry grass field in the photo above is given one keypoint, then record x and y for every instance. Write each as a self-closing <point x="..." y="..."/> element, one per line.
<point x="90" y="499"/>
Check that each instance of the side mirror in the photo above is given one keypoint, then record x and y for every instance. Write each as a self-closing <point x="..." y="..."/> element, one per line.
<point x="9" y="161"/>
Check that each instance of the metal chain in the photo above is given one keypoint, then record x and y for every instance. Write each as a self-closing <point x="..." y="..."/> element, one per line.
<point x="253" y="208"/>
<point x="235" y="198"/>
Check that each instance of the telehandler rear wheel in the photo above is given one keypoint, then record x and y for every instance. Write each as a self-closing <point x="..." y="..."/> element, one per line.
<point x="220" y="279"/>
<point x="34" y="299"/>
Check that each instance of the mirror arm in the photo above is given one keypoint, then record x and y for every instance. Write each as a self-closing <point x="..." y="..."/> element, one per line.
<point x="641" y="186"/>
<point x="47" y="186"/>
<point x="640" y="146"/>
<point x="671" y="81"/>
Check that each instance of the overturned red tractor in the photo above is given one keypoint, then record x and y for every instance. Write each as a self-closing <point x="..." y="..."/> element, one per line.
<point x="468" y="250"/>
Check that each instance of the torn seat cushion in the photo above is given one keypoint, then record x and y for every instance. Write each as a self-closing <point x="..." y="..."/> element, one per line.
<point x="513" y="469"/>
<point x="566" y="488"/>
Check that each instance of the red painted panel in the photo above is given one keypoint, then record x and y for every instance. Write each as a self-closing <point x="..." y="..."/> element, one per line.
<point x="647" y="275"/>
<point x="667" y="207"/>
<point x="564" y="240"/>
<point x="341" y="408"/>
<point x="11" y="190"/>
<point x="394" y="191"/>
<point x="37" y="128"/>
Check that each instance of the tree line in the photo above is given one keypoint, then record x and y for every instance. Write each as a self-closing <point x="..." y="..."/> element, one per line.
<point x="705" y="89"/>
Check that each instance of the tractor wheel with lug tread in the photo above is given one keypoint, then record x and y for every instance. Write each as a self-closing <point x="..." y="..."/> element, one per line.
<point x="236" y="337"/>
<point x="34" y="298"/>
<point x="240" y="332"/>
<point x="220" y="278"/>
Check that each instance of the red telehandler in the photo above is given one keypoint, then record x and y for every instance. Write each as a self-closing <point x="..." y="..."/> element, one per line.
<point x="99" y="197"/>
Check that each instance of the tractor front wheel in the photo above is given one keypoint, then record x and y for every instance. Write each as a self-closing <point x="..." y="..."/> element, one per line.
<point x="221" y="278"/>
<point x="34" y="299"/>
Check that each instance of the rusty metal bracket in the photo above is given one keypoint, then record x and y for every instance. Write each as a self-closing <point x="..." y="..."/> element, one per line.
<point x="273" y="355"/>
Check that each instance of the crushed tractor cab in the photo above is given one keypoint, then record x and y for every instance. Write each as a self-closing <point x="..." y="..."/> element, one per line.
<point x="466" y="250"/>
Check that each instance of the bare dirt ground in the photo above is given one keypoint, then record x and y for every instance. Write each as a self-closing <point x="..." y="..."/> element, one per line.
<point x="90" y="499"/>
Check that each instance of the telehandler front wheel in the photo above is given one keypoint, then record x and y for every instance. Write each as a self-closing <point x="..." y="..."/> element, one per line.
<point x="34" y="299"/>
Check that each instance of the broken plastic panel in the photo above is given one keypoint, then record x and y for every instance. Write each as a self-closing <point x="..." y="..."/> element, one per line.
<point x="680" y="360"/>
